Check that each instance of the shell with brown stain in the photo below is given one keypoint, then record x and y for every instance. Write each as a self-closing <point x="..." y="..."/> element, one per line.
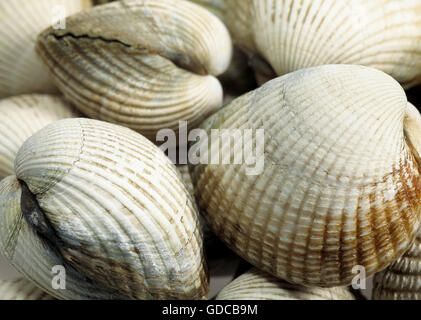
<point x="21" y="117"/>
<point x="258" y="285"/>
<point x="144" y="64"/>
<point x="21" y="289"/>
<point x="107" y="205"/>
<point x="402" y="279"/>
<point x="292" y="35"/>
<point x="21" y="71"/>
<point x="335" y="182"/>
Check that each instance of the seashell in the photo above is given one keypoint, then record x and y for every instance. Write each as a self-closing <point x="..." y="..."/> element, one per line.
<point x="21" y="117"/>
<point x="217" y="7"/>
<point x="144" y="64"/>
<point x="21" y="71"/>
<point x="334" y="182"/>
<point x="21" y="289"/>
<point x="186" y="178"/>
<point x="402" y="279"/>
<point x="106" y="204"/>
<point x="293" y="35"/>
<point x="208" y="236"/>
<point x="258" y="285"/>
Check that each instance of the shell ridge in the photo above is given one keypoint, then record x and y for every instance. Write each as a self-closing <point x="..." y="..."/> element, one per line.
<point x="56" y="181"/>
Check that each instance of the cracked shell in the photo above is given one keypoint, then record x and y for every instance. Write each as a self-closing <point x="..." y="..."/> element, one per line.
<point x="108" y="205"/>
<point x="143" y="64"/>
<point x="333" y="182"/>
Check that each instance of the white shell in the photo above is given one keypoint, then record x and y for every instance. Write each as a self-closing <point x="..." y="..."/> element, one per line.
<point x="402" y="279"/>
<point x="21" y="71"/>
<point x="292" y="35"/>
<point x="21" y="117"/>
<point x="258" y="285"/>
<point x="109" y="206"/>
<point x="339" y="184"/>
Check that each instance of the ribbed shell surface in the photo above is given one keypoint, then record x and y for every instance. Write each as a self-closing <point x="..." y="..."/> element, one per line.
<point x="21" y="117"/>
<point x="119" y="212"/>
<point x="340" y="185"/>
<point x="186" y="178"/>
<point x="217" y="7"/>
<point x="21" y="71"/>
<point x="258" y="285"/>
<point x="140" y="63"/>
<point x="21" y="289"/>
<point x="402" y="279"/>
<point x="292" y="35"/>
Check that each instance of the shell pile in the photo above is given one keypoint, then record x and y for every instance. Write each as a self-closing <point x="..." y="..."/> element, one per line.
<point x="301" y="154"/>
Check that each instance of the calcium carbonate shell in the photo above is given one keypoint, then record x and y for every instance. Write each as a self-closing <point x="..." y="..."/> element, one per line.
<point x="107" y="204"/>
<point x="402" y="279"/>
<point x="144" y="64"/>
<point x="258" y="285"/>
<point x="339" y="186"/>
<point x="21" y="289"/>
<point x="292" y="35"/>
<point x="21" y="71"/>
<point x="21" y="117"/>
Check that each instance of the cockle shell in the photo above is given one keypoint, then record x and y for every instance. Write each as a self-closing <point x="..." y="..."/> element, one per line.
<point x="21" y="71"/>
<point x="144" y="64"/>
<point x="340" y="181"/>
<point x="106" y="204"/>
<point x="292" y="35"/>
<point x="217" y="7"/>
<point x="21" y="289"/>
<point x="402" y="279"/>
<point x="99" y="2"/>
<point x="258" y="285"/>
<point x="21" y="117"/>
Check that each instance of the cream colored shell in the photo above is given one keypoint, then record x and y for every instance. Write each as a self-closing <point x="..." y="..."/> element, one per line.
<point x="21" y="117"/>
<point x="402" y="279"/>
<point x="340" y="184"/>
<point x="217" y="7"/>
<point x="21" y="289"/>
<point x="292" y="35"/>
<point x="107" y="204"/>
<point x="21" y="71"/>
<point x="144" y="64"/>
<point x="258" y="285"/>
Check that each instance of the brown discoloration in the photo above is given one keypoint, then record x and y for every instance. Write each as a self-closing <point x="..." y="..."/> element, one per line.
<point x="366" y="246"/>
